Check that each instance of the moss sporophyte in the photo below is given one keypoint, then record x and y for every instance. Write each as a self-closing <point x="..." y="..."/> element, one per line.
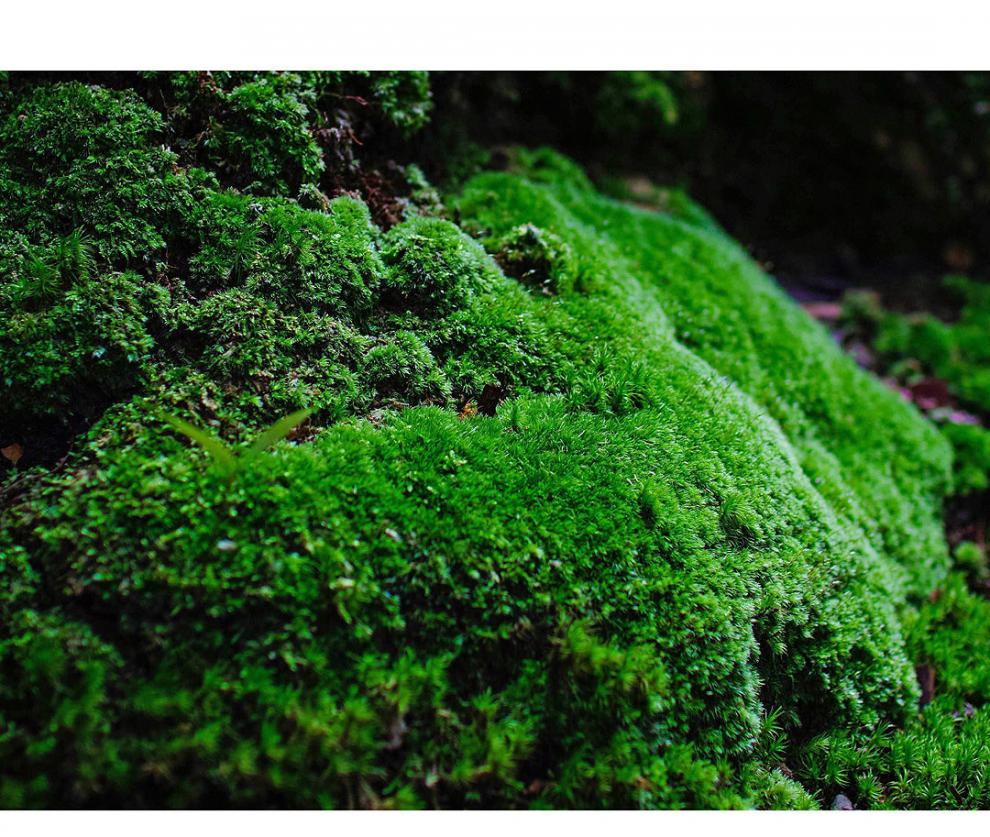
<point x="684" y="557"/>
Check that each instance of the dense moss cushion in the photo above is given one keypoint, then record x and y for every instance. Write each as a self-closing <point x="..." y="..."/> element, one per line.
<point x="587" y="513"/>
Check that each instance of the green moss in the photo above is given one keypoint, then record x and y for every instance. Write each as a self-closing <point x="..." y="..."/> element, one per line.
<point x="77" y="156"/>
<point x="433" y="267"/>
<point x="404" y="98"/>
<point x="402" y="366"/>
<point x="957" y="352"/>
<point x="119" y="264"/>
<point x="695" y="290"/>
<point x="538" y="259"/>
<point x="263" y="141"/>
<point x="324" y="261"/>
<point x="83" y="344"/>
<point x="288" y="134"/>
<point x="970" y="558"/>
<point x="941" y="759"/>
<point x="971" y="463"/>
<point x="912" y="347"/>
<point x="691" y="531"/>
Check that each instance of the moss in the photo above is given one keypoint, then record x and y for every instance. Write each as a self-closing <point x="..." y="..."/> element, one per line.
<point x="77" y="156"/>
<point x="403" y="366"/>
<point x="538" y="259"/>
<point x="971" y="463"/>
<point x="77" y="347"/>
<point x="119" y="263"/>
<point x="263" y="141"/>
<point x="970" y="558"/>
<point x="941" y="759"/>
<point x="293" y="134"/>
<point x="684" y="530"/>
<point x="56" y="126"/>
<point x="433" y="267"/>
<point x="957" y="352"/>
<point x="719" y="307"/>
<point x="661" y="199"/>
<point x="404" y="98"/>
<point x="324" y="261"/>
<point x="912" y="347"/>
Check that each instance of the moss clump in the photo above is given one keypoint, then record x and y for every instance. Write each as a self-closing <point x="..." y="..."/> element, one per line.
<point x="941" y="759"/>
<point x="75" y="348"/>
<point x="299" y="259"/>
<point x="971" y="465"/>
<point x="403" y="97"/>
<point x="263" y="139"/>
<point x="971" y="559"/>
<point x="538" y="259"/>
<point x="914" y="347"/>
<point x="433" y="267"/>
<point x="691" y="529"/>
<point x="957" y="352"/>
<point x="275" y="131"/>
<point x="402" y="366"/>
<point x="75" y="156"/>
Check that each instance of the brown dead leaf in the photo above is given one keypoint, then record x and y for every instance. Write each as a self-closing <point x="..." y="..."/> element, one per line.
<point x="535" y="787"/>
<point x="958" y="256"/>
<point x="12" y="453"/>
<point x="930" y="393"/>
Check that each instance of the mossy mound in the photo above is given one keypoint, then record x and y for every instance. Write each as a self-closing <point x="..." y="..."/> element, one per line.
<point x="603" y="538"/>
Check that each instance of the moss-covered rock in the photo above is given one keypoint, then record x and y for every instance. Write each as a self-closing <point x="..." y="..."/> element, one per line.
<point x="683" y="527"/>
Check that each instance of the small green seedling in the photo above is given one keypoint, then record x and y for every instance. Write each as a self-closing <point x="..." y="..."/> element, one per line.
<point x="226" y="461"/>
